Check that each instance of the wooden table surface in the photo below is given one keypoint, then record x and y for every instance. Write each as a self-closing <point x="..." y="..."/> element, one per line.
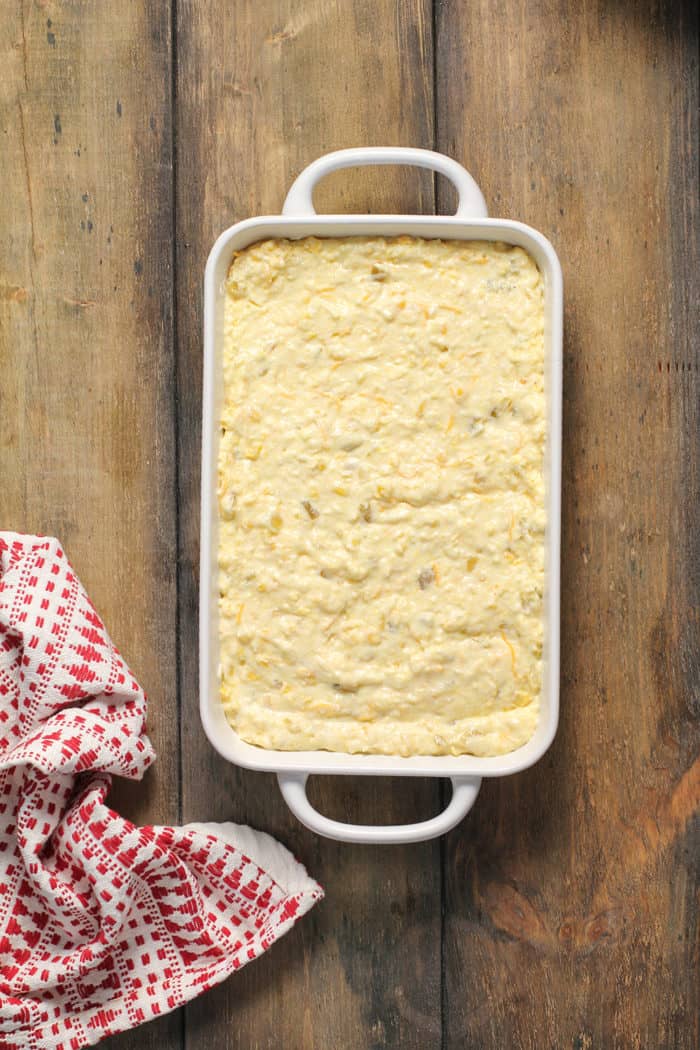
<point x="563" y="912"/>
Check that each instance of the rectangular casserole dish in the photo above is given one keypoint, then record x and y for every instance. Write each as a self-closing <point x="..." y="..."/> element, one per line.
<point x="300" y="220"/>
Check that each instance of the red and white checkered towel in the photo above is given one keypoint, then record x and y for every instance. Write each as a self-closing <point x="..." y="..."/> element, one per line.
<point x="104" y="925"/>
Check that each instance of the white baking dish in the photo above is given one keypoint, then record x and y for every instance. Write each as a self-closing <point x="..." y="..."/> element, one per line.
<point x="300" y="220"/>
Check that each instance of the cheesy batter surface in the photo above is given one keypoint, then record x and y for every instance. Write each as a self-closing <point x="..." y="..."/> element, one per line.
<point x="381" y="496"/>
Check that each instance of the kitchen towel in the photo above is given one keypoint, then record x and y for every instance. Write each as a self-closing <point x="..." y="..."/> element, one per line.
<point x="104" y="925"/>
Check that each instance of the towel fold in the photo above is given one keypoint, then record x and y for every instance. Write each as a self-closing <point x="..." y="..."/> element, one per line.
<point x="104" y="925"/>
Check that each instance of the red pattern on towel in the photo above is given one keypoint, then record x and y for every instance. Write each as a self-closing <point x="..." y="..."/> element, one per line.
<point x="103" y="925"/>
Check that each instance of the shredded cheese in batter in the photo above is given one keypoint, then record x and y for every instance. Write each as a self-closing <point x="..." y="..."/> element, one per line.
<point x="381" y="496"/>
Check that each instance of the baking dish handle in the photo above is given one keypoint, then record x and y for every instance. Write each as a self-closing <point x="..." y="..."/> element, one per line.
<point x="300" y="203"/>
<point x="464" y="792"/>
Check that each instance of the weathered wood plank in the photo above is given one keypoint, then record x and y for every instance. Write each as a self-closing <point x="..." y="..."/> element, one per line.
<point x="571" y="909"/>
<point x="86" y="359"/>
<point x="263" y="88"/>
<point x="570" y="913"/>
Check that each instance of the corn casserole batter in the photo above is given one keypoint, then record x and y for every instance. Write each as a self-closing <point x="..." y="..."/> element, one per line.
<point x="381" y="496"/>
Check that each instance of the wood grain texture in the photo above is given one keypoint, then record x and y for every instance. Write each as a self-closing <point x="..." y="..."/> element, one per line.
<point x="563" y="913"/>
<point x="86" y="358"/>
<point x="571" y="907"/>
<point x="263" y="89"/>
